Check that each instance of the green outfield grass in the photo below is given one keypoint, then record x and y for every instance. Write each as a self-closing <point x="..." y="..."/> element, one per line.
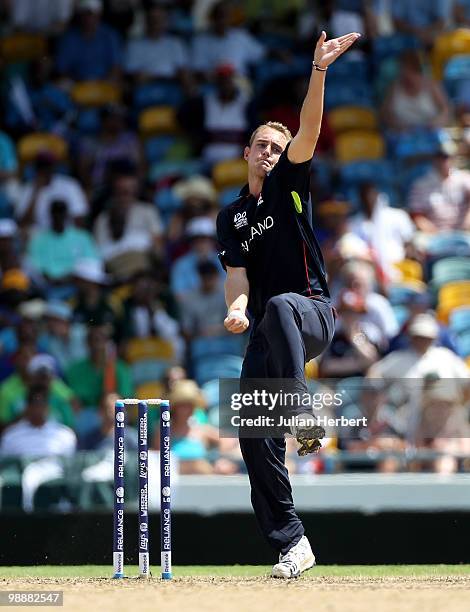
<point x="234" y="571"/>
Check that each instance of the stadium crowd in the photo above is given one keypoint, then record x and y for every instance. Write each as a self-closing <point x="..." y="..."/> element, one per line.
<point x="122" y="126"/>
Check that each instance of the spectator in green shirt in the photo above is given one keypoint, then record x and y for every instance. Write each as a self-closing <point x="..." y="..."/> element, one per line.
<point x="54" y="251"/>
<point x="31" y="370"/>
<point x="99" y="373"/>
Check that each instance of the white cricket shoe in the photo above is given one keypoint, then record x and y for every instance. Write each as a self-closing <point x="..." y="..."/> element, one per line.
<point x="298" y="559"/>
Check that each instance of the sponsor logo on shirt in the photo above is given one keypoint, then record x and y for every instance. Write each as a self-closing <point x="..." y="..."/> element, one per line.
<point x="260" y="200"/>
<point x="239" y="220"/>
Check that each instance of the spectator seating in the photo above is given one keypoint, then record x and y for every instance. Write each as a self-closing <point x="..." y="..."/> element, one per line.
<point x="157" y="93"/>
<point x="218" y="366"/>
<point x="448" y="244"/>
<point x="96" y="93"/>
<point x="158" y="120"/>
<point x="359" y="145"/>
<point x="22" y="47"/>
<point x="410" y="269"/>
<point x="345" y="118"/>
<point x="456" y="72"/>
<point x="448" y="45"/>
<point x="38" y="142"/>
<point x="229" y="173"/>
<point x="449" y="270"/>
<point x="452" y="296"/>
<point x="459" y="320"/>
<point x="149" y="358"/>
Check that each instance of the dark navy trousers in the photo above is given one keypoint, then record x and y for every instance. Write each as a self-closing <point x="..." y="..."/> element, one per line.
<point x="293" y="330"/>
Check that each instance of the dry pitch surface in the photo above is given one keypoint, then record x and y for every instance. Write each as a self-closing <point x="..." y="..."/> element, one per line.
<point x="249" y="589"/>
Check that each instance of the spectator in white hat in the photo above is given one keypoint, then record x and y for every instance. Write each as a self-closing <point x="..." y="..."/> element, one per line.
<point x="422" y="358"/>
<point x="90" y="305"/>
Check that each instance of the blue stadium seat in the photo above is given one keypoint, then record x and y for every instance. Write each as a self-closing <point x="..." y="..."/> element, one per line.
<point x="348" y="92"/>
<point x="385" y="47"/>
<point x="463" y="344"/>
<point x="229" y="194"/>
<point x="157" y="148"/>
<point x="456" y="71"/>
<point x="220" y="366"/>
<point x="416" y="143"/>
<point x="449" y="244"/>
<point x="345" y="66"/>
<point x="157" y="93"/>
<point x="379" y="171"/>
<point x="269" y="69"/>
<point x="459" y="320"/>
<point x="409" y="173"/>
<point x="208" y="347"/>
<point x="175" y="169"/>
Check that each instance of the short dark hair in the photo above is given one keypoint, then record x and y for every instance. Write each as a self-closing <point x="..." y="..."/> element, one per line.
<point x="207" y="268"/>
<point x="37" y="392"/>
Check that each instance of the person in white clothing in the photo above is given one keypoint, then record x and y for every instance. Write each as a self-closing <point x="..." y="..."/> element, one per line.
<point x="386" y="230"/>
<point x="422" y="359"/>
<point x="223" y="44"/>
<point x="32" y="207"/>
<point x="37" y="434"/>
<point x="157" y="54"/>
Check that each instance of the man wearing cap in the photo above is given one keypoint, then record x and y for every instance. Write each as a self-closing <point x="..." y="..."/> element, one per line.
<point x="275" y="272"/>
<point x="92" y="50"/>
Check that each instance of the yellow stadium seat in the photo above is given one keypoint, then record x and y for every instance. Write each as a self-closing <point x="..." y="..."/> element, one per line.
<point x="446" y="46"/>
<point x="96" y="93"/>
<point x="410" y="270"/>
<point x="467" y="361"/>
<point x="150" y="390"/>
<point x="452" y="295"/>
<point x="158" y="120"/>
<point x="346" y="118"/>
<point x="358" y="144"/>
<point x="229" y="173"/>
<point x="30" y="145"/>
<point x="22" y="47"/>
<point x="148" y="348"/>
<point x="311" y="369"/>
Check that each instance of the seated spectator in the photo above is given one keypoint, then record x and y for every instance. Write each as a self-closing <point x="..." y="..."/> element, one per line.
<point x="128" y="225"/>
<point x="354" y="347"/>
<point x="102" y="436"/>
<point x="40" y="15"/>
<point x="40" y="369"/>
<point x="386" y="230"/>
<point x="54" y="252"/>
<point x="101" y="370"/>
<point x="204" y="310"/>
<point x="443" y="427"/>
<point x="145" y="315"/>
<point x="359" y="276"/>
<point x="115" y="146"/>
<point x="422" y="358"/>
<point x="223" y="44"/>
<point x="414" y="100"/>
<point x="37" y="434"/>
<point x="440" y="200"/>
<point x="90" y="50"/>
<point x="158" y="54"/>
<point x="382" y="432"/>
<point x="33" y="206"/>
<point x="63" y="340"/>
<point x="217" y="120"/>
<point x="25" y="328"/>
<point x="421" y="18"/>
<point x="191" y="441"/>
<point x="420" y="303"/>
<point x="8" y="171"/>
<point x="199" y="199"/>
<point x="200" y="233"/>
<point x="91" y="306"/>
<point x="36" y="103"/>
